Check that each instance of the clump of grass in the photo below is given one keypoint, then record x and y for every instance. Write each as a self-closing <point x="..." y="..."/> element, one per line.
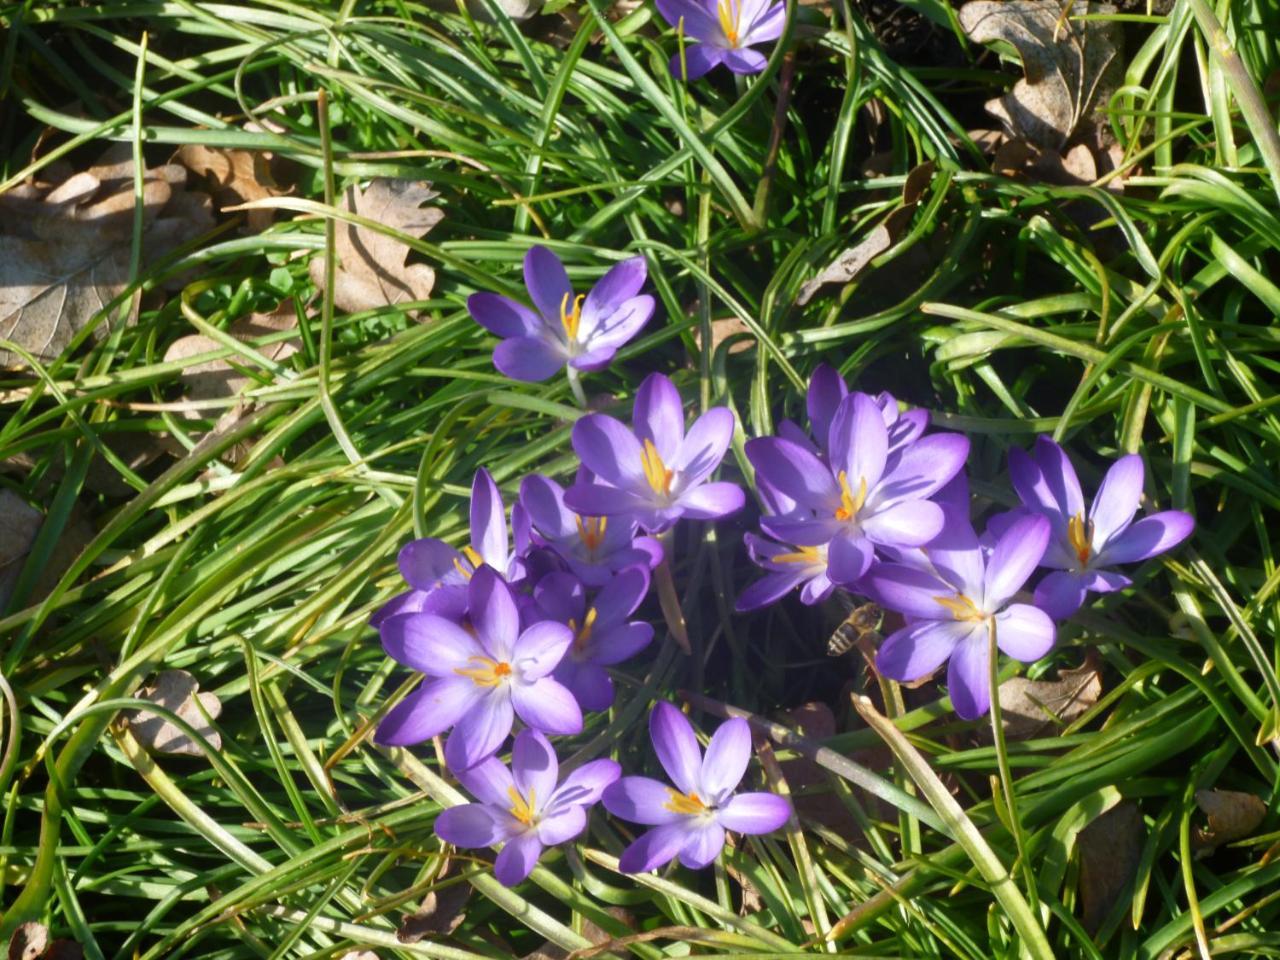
<point x="1116" y="322"/>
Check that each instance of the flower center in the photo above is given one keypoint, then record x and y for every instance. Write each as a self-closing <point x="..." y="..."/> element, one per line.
<point x="728" y="13"/>
<point x="1080" y="535"/>
<point x="473" y="558"/>
<point x="655" y="471"/>
<point x="961" y="607"/>
<point x="689" y="804"/>
<point x="582" y="635"/>
<point x="850" y="503"/>
<point x="521" y="808"/>
<point x="591" y="532"/>
<point x="805" y="555"/>
<point x="489" y="673"/>
<point x="570" y="318"/>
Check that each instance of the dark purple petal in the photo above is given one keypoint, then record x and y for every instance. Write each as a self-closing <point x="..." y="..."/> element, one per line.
<point x="502" y="316"/>
<point x="796" y="472"/>
<point x="803" y="529"/>
<point x="488" y="781"/>
<point x="726" y="760"/>
<point x="754" y="813"/>
<point x="540" y="648"/>
<point x="702" y="845"/>
<point x="770" y="588"/>
<point x="480" y="731"/>
<point x="534" y="767"/>
<point x="658" y="416"/>
<point x="1105" y="581"/>
<point x="655" y="848"/>
<point x="1014" y="559"/>
<point x="1029" y="482"/>
<point x="699" y="58"/>
<point x="448" y="601"/>
<point x="954" y="494"/>
<point x="849" y="557"/>
<point x="711" y="501"/>
<point x="489" y="521"/>
<point x="923" y="468"/>
<point x="424" y="563"/>
<point x="744" y="60"/>
<point x="920" y="648"/>
<point x="427" y="712"/>
<point x="1059" y="477"/>
<point x="1025" y="632"/>
<point x="621" y="283"/>
<point x="547" y="706"/>
<point x="1061" y="593"/>
<point x="593" y="360"/>
<point x="585" y="785"/>
<point x="561" y="596"/>
<point x="699" y="23"/>
<point x="640" y="800"/>
<point x="548" y="283"/>
<point x="896" y="586"/>
<point x="956" y="553"/>
<point x="468" y="825"/>
<point x="610" y="451"/>
<point x="428" y="644"/>
<point x="517" y="859"/>
<point x="826" y="390"/>
<point x="598" y="500"/>
<point x="529" y="359"/>
<point x="908" y="523"/>
<point x="816" y="590"/>
<point x="858" y="442"/>
<point x="1117" y="499"/>
<point x="704" y="446"/>
<point x="619" y="327"/>
<point x="562" y="825"/>
<point x="1148" y="537"/>
<point x="543" y="499"/>
<point x="619" y="642"/>
<point x="969" y="676"/>
<point x="619" y="597"/>
<point x="589" y="684"/>
<point x="676" y="746"/>
<point x="493" y="613"/>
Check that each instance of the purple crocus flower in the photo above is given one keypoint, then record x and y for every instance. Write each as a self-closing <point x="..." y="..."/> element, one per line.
<point x="862" y="498"/>
<point x="602" y="633"/>
<point x="479" y="679"/>
<point x="523" y="808"/>
<point x="594" y="548"/>
<point x="583" y="331"/>
<point x="725" y="31"/>
<point x="827" y="391"/>
<point x="656" y="472"/>
<point x="786" y="567"/>
<point x="690" y="818"/>
<point x="1082" y="548"/>
<point x="952" y="608"/>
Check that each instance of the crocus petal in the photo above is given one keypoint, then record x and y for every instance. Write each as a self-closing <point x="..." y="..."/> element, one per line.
<point x="620" y="642"/>
<point x="702" y="845"/>
<point x="610" y="451"/>
<point x="598" y="500"/>
<point x="1105" y="581"/>
<point x="517" y="859"/>
<point x="619" y="597"/>
<point x="920" y="648"/>
<point x="904" y="431"/>
<point x="705" y="445"/>
<point x="428" y="644"/>
<point x="640" y="800"/>
<point x="956" y="552"/>
<point x="449" y="602"/>
<point x="803" y="530"/>
<point x="826" y="390"/>
<point x="754" y="813"/>
<point x="1059" y="477"/>
<point x="480" y="731"/>
<point x="1061" y="593"/>
<point x="494" y="613"/>
<point x="766" y="26"/>
<point x="540" y="648"/>
<point x="1014" y="559"/>
<point x="655" y="848"/>
<point x="1148" y="537"/>
<point x="923" y="468"/>
<point x="534" y="767"/>
<point x="1117" y="499"/>
<point x="676" y="746"/>
<point x="816" y="590"/>
<point x="547" y="281"/>
<point x="699" y="23"/>
<point x="587" y="784"/>
<point x="489" y="781"/>
<point x="502" y="316"/>
<point x="969" y="676"/>
<point x="712" y="501"/>
<point x="849" y="558"/>
<point x="1029" y="482"/>
<point x="770" y="588"/>
<point x="658" y="416"/>
<point x="621" y="283"/>
<point x="895" y="586"/>
<point x="561" y="596"/>
<point x="467" y="825"/>
<point x="619" y="327"/>
<point x="427" y="712"/>
<point x="699" y="58"/>
<point x="1025" y="632"/>
<point x="590" y="684"/>
<point x="547" y="706"/>
<point x="562" y="825"/>
<point x="529" y="359"/>
<point x="593" y="360"/>
<point x="543" y="499"/>
<point x="795" y="471"/>
<point x="424" y="563"/>
<point x="488" y="521"/>
<point x="726" y="759"/>
<point x="745" y="61"/>
<point x="858" y="442"/>
<point x="908" y="523"/>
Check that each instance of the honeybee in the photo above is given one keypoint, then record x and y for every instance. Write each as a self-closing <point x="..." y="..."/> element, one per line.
<point x="861" y="627"/>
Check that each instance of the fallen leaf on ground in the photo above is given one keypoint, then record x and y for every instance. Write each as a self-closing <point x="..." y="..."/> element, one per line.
<point x="1071" y="66"/>
<point x="724" y="328"/>
<point x="1110" y="848"/>
<point x="853" y="260"/>
<point x="372" y="272"/>
<point x="175" y="690"/>
<point x="1233" y="815"/>
<point x="19" y="525"/>
<point x="359" y="955"/>
<point x="1031" y="708"/>
<point x="810" y="785"/>
<point x="440" y="913"/>
<point x="31" y="942"/>
<point x="239" y="176"/>
<point x="65" y="249"/>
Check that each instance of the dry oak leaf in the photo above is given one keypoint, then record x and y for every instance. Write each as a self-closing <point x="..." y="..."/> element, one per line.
<point x="1232" y="815"/>
<point x="853" y="260"/>
<point x="239" y="176"/>
<point x="1031" y="708"/>
<point x="175" y="690"/>
<point x="372" y="272"/>
<point x="65" y="253"/>
<point x="1071" y="66"/>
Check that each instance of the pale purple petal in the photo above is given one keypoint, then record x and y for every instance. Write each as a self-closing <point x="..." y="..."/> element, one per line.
<point x="767" y="26"/>
<point x="587" y="784"/>
<point x="424" y="563"/>
<point x="906" y="428"/>
<point x="427" y="712"/>
<point x="543" y="499"/>
<point x="704" y="446"/>
<point x="547" y="281"/>
<point x="816" y="590"/>
<point x="480" y="731"/>
<point x="517" y="859"/>
<point x="754" y="813"/>
<point x="494" y="613"/>
<point x="1117" y="499"/>
<point x="658" y="416"/>
<point x="702" y="845"/>
<point x="428" y="644"/>
<point x="770" y="588"/>
<point x="540" y="648"/>
<point x="621" y="283"/>
<point x="1059" y="477"/>
<point x="858" y="442"/>
<point x="676" y="746"/>
<point x="922" y="469"/>
<point x="826" y="390"/>
<point x="610" y="451"/>
<point x="803" y="529"/>
<point x="908" y="523"/>
<point x="502" y="316"/>
<point x="640" y="800"/>
<point x="1014" y="559"/>
<point x="849" y="557"/>
<point x="547" y="706"/>
<point x="795" y="471"/>
<point x="745" y="60"/>
<point x="655" y="848"/>
<point x="529" y="359"/>
<point x="712" y="501"/>
<point x="920" y="648"/>
<point x="620" y="596"/>
<point x="489" y="781"/>
<point x="593" y="360"/>
<point x="534" y="767"/>
<point x="956" y="553"/>
<point x="562" y="825"/>
<point x="896" y="586"/>
<point x="1106" y="581"/>
<point x="699" y="23"/>
<point x="1029" y="482"/>
<point x="489" y="521"/>
<point x="1148" y="537"/>
<point x="618" y="328"/>
<point x="467" y="825"/>
<point x="618" y="643"/>
<point x="726" y="759"/>
<point x="598" y="500"/>
<point x="1061" y="593"/>
<point x="969" y="676"/>
<point x="1025" y="632"/>
<point x="699" y="58"/>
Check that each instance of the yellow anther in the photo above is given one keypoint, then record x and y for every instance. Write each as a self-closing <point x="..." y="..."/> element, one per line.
<point x="655" y="471"/>
<point x="489" y="673"/>
<point x="804" y="555"/>
<point x="521" y="808"/>
<point x="472" y="558"/>
<point x="850" y="503"/>
<point x="688" y="804"/>
<point x="1079" y="534"/>
<point x="570" y="318"/>
<point x="582" y="635"/>
<point x="728" y="13"/>
<point x="961" y="607"/>
<point x="591" y="532"/>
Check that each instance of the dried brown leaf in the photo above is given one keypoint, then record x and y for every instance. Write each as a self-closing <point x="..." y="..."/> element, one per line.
<point x="29" y="942"/>
<point x="175" y="690"/>
<point x="1032" y="708"/>
<point x="853" y="260"/>
<point x="1110" y="849"/>
<point x="19" y="524"/>
<point x="722" y="329"/>
<point x="1071" y="66"/>
<point x="238" y="176"/>
<point x="441" y="912"/>
<point x="372" y="272"/>
<point x="1232" y="815"/>
<point x="65" y="255"/>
